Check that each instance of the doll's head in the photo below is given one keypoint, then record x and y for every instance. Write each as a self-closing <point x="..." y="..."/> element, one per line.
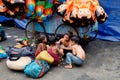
<point x="73" y="14"/>
<point x="15" y="8"/>
<point x="99" y="11"/>
<point x="100" y="14"/>
<point x="84" y="16"/>
<point x="62" y="9"/>
<point x="66" y="18"/>
<point x="84" y="12"/>
<point x="3" y="8"/>
<point x="15" y="1"/>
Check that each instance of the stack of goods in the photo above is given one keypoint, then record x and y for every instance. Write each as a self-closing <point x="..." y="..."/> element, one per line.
<point x="20" y="55"/>
<point x="12" y="8"/>
<point x="39" y="10"/>
<point x="82" y="12"/>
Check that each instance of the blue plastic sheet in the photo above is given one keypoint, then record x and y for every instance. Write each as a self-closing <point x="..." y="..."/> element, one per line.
<point x="110" y="30"/>
<point x="20" y="23"/>
<point x="4" y="19"/>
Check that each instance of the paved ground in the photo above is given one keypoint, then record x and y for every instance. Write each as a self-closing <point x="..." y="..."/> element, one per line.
<point x="102" y="63"/>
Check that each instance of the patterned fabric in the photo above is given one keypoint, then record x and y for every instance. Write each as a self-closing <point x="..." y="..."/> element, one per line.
<point x="36" y="69"/>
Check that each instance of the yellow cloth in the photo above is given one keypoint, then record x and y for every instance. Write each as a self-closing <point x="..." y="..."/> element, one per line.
<point x="44" y="55"/>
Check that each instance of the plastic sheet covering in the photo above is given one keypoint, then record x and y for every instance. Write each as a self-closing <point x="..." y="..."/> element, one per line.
<point x="110" y="30"/>
<point x="21" y="23"/>
<point x="4" y="19"/>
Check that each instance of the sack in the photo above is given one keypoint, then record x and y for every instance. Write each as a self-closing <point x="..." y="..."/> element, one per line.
<point x="44" y="55"/>
<point x="16" y="53"/>
<point x="3" y="54"/>
<point x="36" y="69"/>
<point x="18" y="64"/>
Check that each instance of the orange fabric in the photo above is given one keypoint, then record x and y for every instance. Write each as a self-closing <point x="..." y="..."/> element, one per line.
<point x="79" y="4"/>
<point x="3" y="8"/>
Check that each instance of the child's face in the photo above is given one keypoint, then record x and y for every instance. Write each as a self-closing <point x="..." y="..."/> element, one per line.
<point x="66" y="37"/>
<point x="72" y="43"/>
<point x="45" y="40"/>
<point x="25" y="43"/>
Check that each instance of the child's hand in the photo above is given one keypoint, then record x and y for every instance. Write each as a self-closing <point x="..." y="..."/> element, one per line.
<point x="62" y="47"/>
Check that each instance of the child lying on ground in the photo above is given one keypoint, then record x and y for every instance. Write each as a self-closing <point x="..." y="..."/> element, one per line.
<point x="54" y="51"/>
<point x="77" y="56"/>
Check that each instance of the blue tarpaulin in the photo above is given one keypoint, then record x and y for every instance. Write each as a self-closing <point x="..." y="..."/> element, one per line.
<point x="20" y="23"/>
<point x="4" y="19"/>
<point x="110" y="30"/>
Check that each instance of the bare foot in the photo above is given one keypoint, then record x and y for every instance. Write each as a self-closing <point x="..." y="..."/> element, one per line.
<point x="68" y="66"/>
<point x="59" y="65"/>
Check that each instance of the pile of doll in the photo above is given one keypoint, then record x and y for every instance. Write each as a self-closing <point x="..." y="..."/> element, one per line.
<point x="82" y="12"/>
<point x="35" y="9"/>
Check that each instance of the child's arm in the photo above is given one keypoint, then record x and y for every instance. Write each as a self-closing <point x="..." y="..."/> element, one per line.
<point x="39" y="47"/>
<point x="58" y="42"/>
<point x="38" y="50"/>
<point x="74" y="51"/>
<point x="66" y="48"/>
<point x="60" y="51"/>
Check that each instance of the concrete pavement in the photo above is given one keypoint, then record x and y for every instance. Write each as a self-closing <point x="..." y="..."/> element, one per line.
<point x="102" y="63"/>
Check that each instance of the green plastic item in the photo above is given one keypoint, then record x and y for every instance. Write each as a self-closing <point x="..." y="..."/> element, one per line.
<point x="48" y="6"/>
<point x="24" y="39"/>
<point x="40" y="3"/>
<point x="33" y="16"/>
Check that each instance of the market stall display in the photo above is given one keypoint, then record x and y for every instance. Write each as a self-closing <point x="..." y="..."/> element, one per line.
<point x="82" y="12"/>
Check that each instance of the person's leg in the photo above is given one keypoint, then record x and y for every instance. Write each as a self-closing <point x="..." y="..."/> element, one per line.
<point x="68" y="61"/>
<point x="70" y="58"/>
<point x="61" y="52"/>
<point x="77" y="60"/>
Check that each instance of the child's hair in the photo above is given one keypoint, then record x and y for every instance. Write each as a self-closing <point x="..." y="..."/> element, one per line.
<point x="41" y="37"/>
<point x="52" y="40"/>
<point x="75" y="39"/>
<point x="69" y="33"/>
